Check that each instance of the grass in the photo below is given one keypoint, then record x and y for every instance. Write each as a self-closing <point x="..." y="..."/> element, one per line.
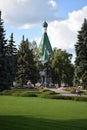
<point x="29" y="113"/>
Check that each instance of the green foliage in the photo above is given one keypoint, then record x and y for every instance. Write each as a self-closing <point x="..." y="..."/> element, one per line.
<point x="43" y="94"/>
<point x="46" y="90"/>
<point x="84" y="92"/>
<point x="81" y="57"/>
<point x="6" y="92"/>
<point x="62" y="68"/>
<point x="7" y="59"/>
<point x="26" y="64"/>
<point x="12" y="60"/>
<point x="3" y="58"/>
<point x="36" y="54"/>
<point x="54" y="95"/>
<point x="47" y="94"/>
<point x="25" y="94"/>
<point x="20" y="93"/>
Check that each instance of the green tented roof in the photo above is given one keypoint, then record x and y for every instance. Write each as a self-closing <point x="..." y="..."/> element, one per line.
<point x="45" y="47"/>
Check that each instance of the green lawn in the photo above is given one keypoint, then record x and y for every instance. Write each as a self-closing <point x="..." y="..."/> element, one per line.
<point x="27" y="113"/>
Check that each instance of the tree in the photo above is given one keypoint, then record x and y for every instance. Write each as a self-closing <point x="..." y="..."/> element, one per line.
<point x="12" y="60"/>
<point x="3" y="57"/>
<point x="81" y="57"/>
<point x="35" y="51"/>
<point x="26" y="64"/>
<point x="62" y="69"/>
<point x="36" y="54"/>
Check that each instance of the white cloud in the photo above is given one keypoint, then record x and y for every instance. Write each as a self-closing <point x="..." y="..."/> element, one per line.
<point x="27" y="13"/>
<point x="18" y="1"/>
<point x="63" y="34"/>
<point x="53" y="3"/>
<point x="26" y="26"/>
<point x="24" y="13"/>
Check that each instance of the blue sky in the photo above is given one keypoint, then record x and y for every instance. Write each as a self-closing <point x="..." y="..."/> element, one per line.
<point x="25" y="17"/>
<point x="66" y="6"/>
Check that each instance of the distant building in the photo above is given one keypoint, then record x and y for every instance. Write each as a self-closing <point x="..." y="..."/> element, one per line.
<point x="45" y="54"/>
<point x="45" y="46"/>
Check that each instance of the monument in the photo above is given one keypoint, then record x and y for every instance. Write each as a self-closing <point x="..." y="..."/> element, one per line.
<point x="45" y="55"/>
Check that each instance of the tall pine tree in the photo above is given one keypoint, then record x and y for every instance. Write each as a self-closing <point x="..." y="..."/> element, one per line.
<point x="26" y="65"/>
<point x="3" y="57"/>
<point x="81" y="57"/>
<point x="12" y="60"/>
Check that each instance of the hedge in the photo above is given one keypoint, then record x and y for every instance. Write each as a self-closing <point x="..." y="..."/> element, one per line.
<point x="42" y="94"/>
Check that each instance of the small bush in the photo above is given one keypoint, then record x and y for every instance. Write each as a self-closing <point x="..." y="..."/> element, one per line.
<point x="46" y="91"/>
<point x="19" y="93"/>
<point x="58" y="96"/>
<point x="80" y="98"/>
<point x="6" y="92"/>
<point x="1" y="93"/>
<point x="25" y="94"/>
<point x="48" y="94"/>
<point x="28" y="94"/>
<point x="16" y="94"/>
<point x="85" y="92"/>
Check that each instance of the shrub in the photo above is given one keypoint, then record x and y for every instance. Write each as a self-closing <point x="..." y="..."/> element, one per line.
<point x="85" y="92"/>
<point x="58" y="96"/>
<point x="46" y="91"/>
<point x="25" y="94"/>
<point x="43" y="94"/>
<point x="48" y="94"/>
<point x="16" y="94"/>
<point x="28" y="94"/>
<point x="19" y="93"/>
<point x="6" y="92"/>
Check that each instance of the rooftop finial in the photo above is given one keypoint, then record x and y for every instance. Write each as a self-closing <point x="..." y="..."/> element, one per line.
<point x="44" y="18"/>
<point x="45" y="24"/>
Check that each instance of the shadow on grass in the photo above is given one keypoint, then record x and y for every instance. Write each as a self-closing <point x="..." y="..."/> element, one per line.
<point x="30" y="123"/>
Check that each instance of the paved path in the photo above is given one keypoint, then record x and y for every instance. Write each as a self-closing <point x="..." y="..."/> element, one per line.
<point x="63" y="92"/>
